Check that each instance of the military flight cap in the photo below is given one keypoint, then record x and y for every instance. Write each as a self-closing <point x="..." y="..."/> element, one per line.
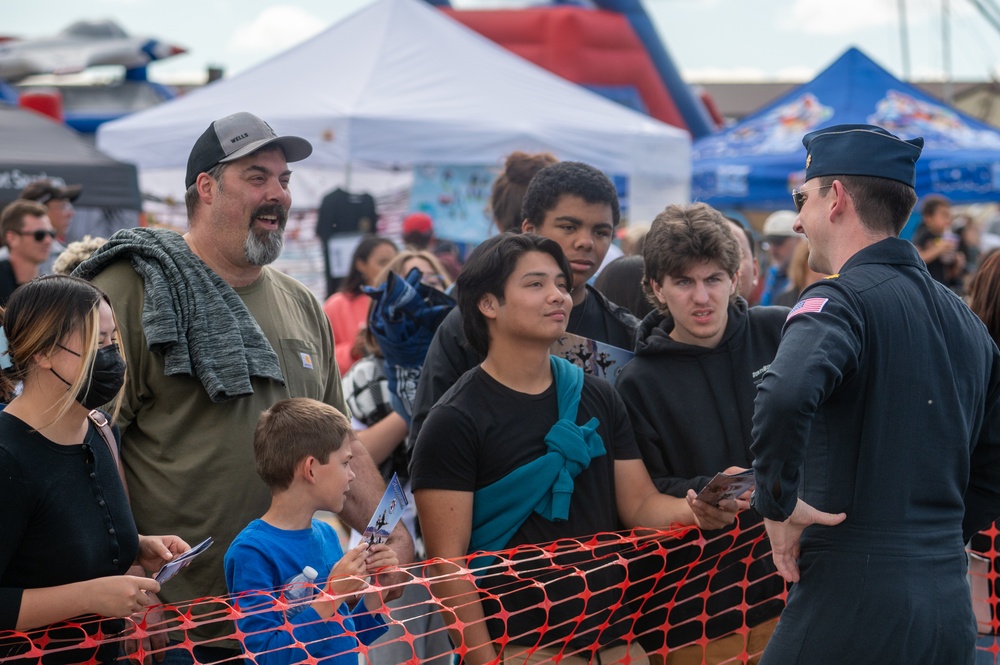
<point x="864" y="150"/>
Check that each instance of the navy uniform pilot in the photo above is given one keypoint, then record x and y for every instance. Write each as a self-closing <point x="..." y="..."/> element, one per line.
<point x="876" y="431"/>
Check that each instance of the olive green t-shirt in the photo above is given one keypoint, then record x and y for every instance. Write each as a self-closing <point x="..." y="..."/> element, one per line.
<point x="188" y="461"/>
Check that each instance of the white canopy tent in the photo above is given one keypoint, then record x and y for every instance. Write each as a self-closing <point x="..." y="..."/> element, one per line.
<point x="399" y="84"/>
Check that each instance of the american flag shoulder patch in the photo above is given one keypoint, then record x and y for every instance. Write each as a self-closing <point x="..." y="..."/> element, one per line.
<point x="814" y="305"/>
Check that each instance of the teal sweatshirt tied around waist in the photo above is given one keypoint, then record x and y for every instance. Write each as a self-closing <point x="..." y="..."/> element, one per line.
<point x="545" y="485"/>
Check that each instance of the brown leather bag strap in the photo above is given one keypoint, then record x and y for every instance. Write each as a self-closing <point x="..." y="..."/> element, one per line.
<point x="104" y="428"/>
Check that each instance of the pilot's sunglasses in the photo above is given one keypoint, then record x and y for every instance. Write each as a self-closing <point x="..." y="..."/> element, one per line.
<point x="799" y="195"/>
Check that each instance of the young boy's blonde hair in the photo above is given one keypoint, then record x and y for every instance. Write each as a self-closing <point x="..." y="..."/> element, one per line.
<point x="292" y="430"/>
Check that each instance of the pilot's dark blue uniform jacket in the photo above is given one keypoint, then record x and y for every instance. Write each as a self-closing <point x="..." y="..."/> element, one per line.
<point x="881" y="403"/>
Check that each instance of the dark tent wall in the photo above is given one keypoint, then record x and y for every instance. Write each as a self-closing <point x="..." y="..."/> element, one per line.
<point x="33" y="146"/>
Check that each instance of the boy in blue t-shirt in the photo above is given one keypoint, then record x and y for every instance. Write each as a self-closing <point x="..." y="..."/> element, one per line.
<point x="302" y="452"/>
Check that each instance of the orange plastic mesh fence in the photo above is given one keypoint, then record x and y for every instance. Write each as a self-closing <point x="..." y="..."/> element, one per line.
<point x="664" y="590"/>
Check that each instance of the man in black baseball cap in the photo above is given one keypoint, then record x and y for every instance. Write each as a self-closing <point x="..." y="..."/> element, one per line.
<point x="213" y="335"/>
<point x="243" y="143"/>
<point x="236" y="136"/>
<point x="876" y="435"/>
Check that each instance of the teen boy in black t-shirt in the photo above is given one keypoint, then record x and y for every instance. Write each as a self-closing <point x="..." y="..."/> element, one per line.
<point x="485" y="465"/>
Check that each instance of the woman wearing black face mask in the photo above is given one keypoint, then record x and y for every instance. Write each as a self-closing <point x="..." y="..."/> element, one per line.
<point x="67" y="536"/>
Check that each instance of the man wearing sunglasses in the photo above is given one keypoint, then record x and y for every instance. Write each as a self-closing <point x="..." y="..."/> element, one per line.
<point x="876" y="435"/>
<point x="27" y="235"/>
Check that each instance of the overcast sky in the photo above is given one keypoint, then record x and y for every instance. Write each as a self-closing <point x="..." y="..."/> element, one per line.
<point x="709" y="40"/>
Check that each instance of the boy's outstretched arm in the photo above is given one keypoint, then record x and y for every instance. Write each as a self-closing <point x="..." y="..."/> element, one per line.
<point x="366" y="491"/>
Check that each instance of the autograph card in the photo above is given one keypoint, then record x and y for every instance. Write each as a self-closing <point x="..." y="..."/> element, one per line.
<point x="597" y="358"/>
<point x="387" y="514"/>
<point x="724" y="486"/>
<point x="173" y="567"/>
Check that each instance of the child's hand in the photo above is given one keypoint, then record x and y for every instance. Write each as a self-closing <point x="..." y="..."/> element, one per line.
<point x="380" y="556"/>
<point x="348" y="575"/>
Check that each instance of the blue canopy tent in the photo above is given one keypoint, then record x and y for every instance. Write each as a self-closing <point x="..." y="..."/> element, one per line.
<point x="755" y="164"/>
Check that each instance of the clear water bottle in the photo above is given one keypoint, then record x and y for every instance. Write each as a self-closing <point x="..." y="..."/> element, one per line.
<point x="298" y="589"/>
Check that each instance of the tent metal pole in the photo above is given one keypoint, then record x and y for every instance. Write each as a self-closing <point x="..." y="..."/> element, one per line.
<point x="946" y="49"/>
<point x="989" y="12"/>
<point x="904" y="40"/>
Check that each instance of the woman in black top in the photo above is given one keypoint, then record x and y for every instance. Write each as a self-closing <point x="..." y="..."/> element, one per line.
<point x="68" y="533"/>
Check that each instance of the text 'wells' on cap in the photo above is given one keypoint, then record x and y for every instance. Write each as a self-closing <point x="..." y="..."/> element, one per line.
<point x="236" y="136"/>
<point x="864" y="150"/>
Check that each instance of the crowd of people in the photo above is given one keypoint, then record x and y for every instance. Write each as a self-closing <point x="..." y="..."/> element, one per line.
<point x="178" y="384"/>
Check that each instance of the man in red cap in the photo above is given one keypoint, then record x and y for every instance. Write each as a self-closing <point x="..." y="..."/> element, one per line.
<point x="418" y="233"/>
<point x="418" y="230"/>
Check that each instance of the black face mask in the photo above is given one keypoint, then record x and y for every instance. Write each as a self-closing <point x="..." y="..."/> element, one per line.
<point x="106" y="377"/>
